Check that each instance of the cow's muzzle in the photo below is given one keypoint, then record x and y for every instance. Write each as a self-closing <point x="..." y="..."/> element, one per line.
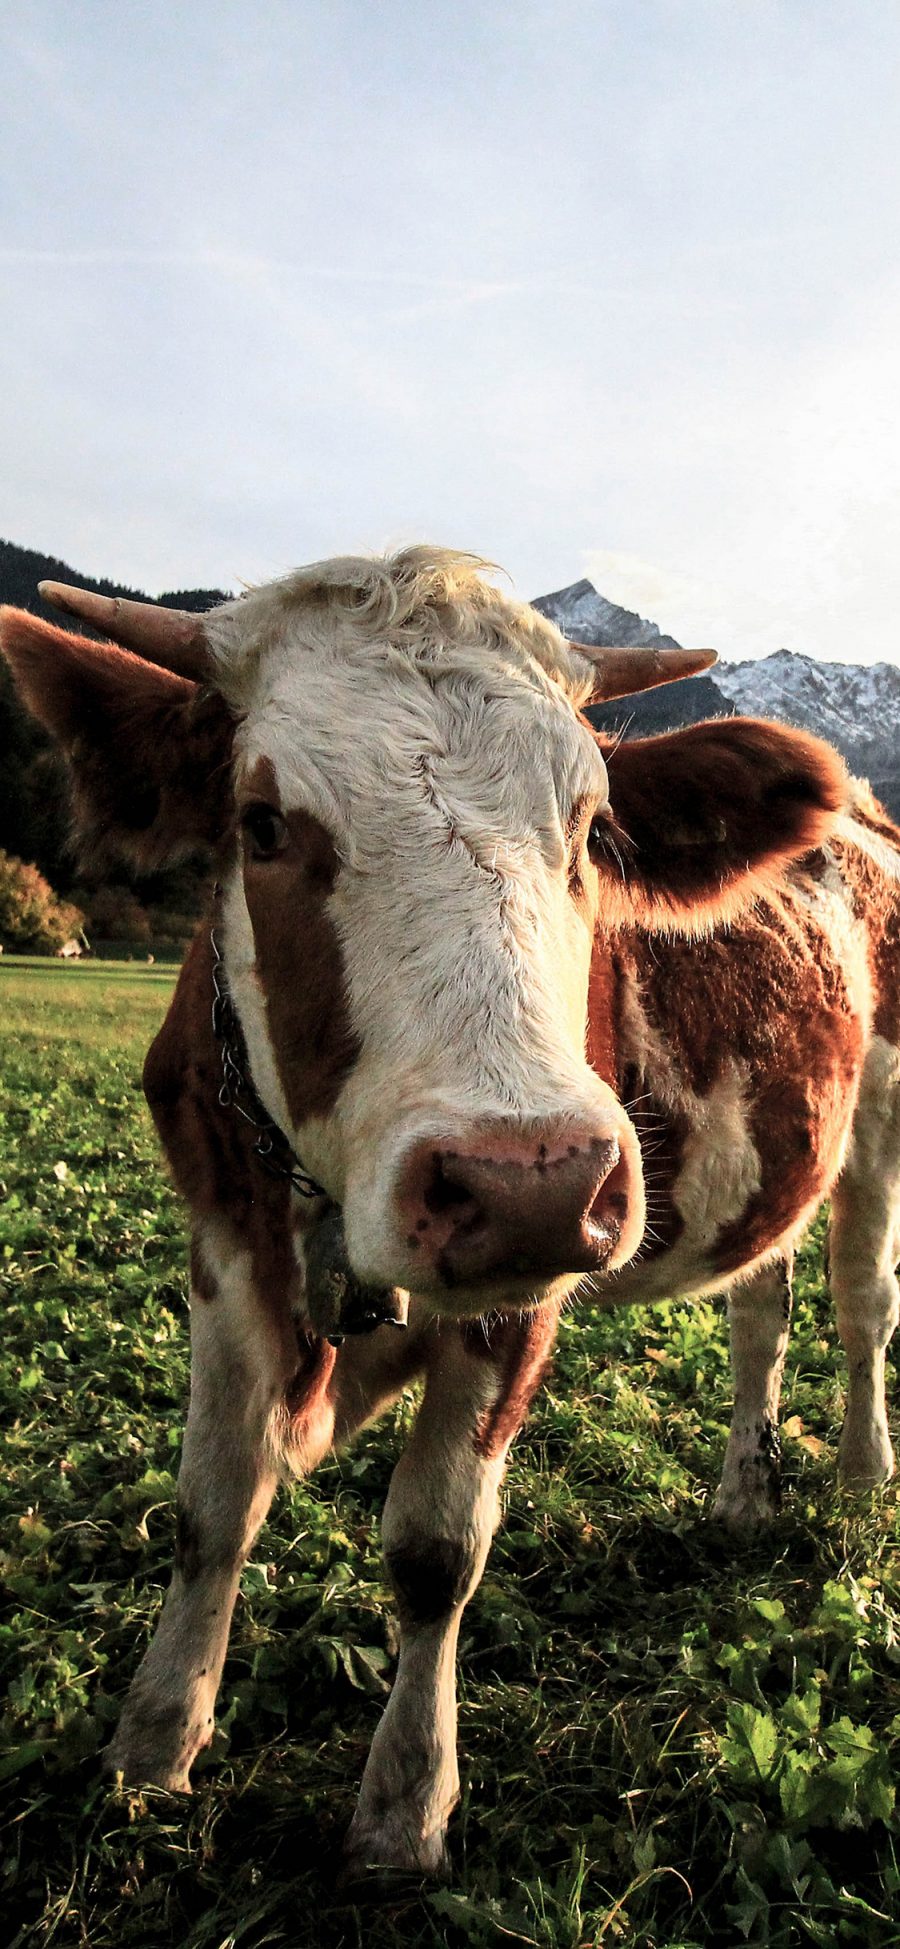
<point x="510" y="1203"/>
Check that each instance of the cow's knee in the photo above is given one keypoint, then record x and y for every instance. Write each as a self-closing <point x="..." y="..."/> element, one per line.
<point x="431" y="1576"/>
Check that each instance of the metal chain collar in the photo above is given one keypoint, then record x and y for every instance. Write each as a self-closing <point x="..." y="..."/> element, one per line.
<point x="237" y="1091"/>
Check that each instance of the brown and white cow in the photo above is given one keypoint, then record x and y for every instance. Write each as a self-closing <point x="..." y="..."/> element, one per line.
<point x="473" y="950"/>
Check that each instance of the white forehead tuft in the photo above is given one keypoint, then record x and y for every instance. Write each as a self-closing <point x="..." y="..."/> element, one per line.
<point x="432" y="606"/>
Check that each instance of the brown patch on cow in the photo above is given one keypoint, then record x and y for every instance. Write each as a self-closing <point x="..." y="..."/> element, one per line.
<point x="308" y="1386"/>
<point x="876" y="900"/>
<point x="710" y="814"/>
<point x="299" y="961"/>
<point x="149" y="752"/>
<point x="260" y="783"/>
<point x="604" y="1010"/>
<point x="210" y="1148"/>
<point x="520" y="1346"/>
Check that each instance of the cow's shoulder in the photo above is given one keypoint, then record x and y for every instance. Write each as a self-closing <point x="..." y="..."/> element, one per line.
<point x="765" y="992"/>
<point x="739" y="1053"/>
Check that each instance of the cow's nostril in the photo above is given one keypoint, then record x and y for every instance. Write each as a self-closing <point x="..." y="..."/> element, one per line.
<point x="610" y="1207"/>
<point x="443" y="1192"/>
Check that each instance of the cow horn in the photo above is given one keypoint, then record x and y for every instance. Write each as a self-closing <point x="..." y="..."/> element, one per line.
<point x="622" y="672"/>
<point x="172" y="638"/>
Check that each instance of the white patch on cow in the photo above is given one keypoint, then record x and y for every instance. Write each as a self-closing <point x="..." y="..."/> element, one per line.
<point x="875" y="845"/>
<point x="865" y="1248"/>
<point x="827" y="902"/>
<point x="422" y="600"/>
<point x="720" y="1169"/>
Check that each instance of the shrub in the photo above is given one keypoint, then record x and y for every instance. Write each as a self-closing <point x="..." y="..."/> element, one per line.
<point x="33" y="919"/>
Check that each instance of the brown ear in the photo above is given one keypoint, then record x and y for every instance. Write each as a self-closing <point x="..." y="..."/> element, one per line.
<point x="706" y="817"/>
<point x="149" y="752"/>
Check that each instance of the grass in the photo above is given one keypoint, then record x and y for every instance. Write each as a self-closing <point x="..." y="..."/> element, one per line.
<point x="665" y="1741"/>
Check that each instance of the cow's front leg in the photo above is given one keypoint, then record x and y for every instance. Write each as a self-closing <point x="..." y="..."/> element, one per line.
<point x="241" y="1362"/>
<point x="760" y="1315"/>
<point x="439" y="1518"/>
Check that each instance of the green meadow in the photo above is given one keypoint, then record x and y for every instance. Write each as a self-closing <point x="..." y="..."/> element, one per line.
<point x="666" y="1740"/>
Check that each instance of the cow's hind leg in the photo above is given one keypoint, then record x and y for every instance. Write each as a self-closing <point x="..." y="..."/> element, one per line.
<point x="438" y="1521"/>
<point x="864" y="1249"/>
<point x="759" y="1314"/>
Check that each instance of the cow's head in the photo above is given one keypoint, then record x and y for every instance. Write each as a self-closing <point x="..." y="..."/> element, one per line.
<point x="418" y="840"/>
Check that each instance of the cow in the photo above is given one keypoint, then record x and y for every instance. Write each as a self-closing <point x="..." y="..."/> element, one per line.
<point x="488" y="1011"/>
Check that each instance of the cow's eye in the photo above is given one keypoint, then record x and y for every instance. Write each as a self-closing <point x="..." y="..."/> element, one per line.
<point x="600" y="832"/>
<point x="264" y="830"/>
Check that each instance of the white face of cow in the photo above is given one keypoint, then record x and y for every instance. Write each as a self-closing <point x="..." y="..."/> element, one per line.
<point x="408" y="930"/>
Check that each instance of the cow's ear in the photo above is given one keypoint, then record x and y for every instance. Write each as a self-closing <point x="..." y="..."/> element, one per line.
<point x="150" y="753"/>
<point x="706" y="817"/>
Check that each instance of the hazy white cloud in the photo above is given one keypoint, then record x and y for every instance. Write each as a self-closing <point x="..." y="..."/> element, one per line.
<point x="601" y="291"/>
<point x="788" y="505"/>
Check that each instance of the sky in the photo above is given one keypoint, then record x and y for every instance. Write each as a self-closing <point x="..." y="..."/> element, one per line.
<point x="604" y="288"/>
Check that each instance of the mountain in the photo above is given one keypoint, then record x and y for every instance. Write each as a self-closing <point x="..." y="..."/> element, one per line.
<point x="854" y="706"/>
<point x="21" y="569"/>
<point x="587" y="617"/>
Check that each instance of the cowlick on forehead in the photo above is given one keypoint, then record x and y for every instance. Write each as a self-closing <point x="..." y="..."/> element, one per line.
<point x="430" y="604"/>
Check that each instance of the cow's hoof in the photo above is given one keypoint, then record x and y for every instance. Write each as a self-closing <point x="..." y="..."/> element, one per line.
<point x="745" y="1513"/>
<point x="369" y="1887"/>
<point x="384" y="1860"/>
<point x="865" y="1462"/>
<point x="139" y="1766"/>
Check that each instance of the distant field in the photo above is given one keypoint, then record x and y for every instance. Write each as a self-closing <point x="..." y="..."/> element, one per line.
<point x="666" y="1743"/>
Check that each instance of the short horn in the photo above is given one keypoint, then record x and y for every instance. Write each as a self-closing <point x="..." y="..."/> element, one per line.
<point x="622" y="672"/>
<point x="174" y="639"/>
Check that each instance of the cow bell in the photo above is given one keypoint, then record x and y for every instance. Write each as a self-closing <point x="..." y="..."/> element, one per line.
<point x="337" y="1302"/>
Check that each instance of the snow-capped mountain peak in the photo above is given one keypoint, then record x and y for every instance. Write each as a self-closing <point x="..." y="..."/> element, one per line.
<point x="586" y="617"/>
<point x="855" y="706"/>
